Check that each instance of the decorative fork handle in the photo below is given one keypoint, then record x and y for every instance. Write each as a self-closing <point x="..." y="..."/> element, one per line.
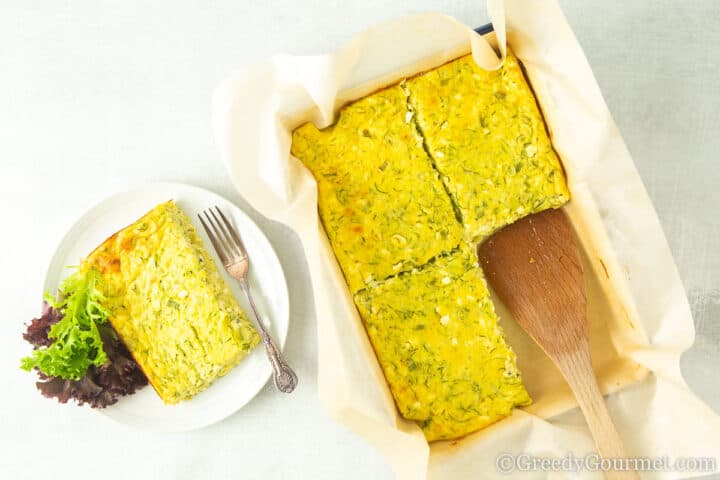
<point x="284" y="376"/>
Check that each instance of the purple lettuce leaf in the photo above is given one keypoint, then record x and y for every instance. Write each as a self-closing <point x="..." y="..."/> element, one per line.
<point x="101" y="386"/>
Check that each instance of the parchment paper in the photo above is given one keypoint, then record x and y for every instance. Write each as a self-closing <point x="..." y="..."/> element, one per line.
<point x="640" y="321"/>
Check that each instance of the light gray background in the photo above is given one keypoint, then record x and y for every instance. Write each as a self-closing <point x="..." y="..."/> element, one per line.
<point x="99" y="96"/>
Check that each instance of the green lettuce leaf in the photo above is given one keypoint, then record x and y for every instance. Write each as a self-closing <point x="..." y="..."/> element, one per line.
<point x="76" y="340"/>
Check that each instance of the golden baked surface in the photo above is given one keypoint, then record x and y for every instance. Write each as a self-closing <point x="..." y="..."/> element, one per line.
<point x="437" y="338"/>
<point x="169" y="304"/>
<point x="488" y="140"/>
<point x="392" y="214"/>
<point x="382" y="204"/>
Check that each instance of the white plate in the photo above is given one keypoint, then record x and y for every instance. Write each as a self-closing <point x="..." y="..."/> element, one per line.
<point x="144" y="409"/>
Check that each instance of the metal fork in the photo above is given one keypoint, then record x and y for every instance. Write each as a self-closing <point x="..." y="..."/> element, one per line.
<point x="234" y="257"/>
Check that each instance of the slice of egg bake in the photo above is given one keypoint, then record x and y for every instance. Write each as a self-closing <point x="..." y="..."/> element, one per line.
<point x="169" y="304"/>
<point x="382" y="204"/>
<point x="488" y="140"/>
<point x="436" y="335"/>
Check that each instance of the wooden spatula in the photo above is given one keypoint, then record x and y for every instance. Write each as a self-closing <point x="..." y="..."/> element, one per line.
<point x="534" y="266"/>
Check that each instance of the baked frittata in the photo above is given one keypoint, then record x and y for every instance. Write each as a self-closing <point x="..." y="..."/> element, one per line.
<point x="419" y="291"/>
<point x="382" y="204"/>
<point x="169" y="304"/>
<point x="437" y="338"/>
<point x="488" y="140"/>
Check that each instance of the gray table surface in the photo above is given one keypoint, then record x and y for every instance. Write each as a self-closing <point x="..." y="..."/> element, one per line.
<point x="96" y="97"/>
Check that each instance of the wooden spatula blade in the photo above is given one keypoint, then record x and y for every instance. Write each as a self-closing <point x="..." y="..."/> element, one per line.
<point x="534" y="267"/>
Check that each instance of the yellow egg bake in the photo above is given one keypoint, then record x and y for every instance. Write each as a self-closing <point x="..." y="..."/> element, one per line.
<point x="169" y="304"/>
<point x="487" y="138"/>
<point x="382" y="204"/>
<point x="392" y="224"/>
<point x="437" y="338"/>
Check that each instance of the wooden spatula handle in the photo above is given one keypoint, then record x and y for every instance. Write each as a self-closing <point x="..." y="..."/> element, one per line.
<point x="576" y="367"/>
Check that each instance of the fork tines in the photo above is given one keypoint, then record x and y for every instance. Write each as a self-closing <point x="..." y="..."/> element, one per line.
<point x="223" y="236"/>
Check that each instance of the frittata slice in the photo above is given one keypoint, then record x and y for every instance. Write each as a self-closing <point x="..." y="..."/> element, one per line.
<point x="436" y="335"/>
<point x="169" y="304"/>
<point x="382" y="204"/>
<point x="487" y="138"/>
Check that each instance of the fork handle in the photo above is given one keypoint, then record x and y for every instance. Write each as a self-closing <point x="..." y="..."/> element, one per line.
<point x="284" y="376"/>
